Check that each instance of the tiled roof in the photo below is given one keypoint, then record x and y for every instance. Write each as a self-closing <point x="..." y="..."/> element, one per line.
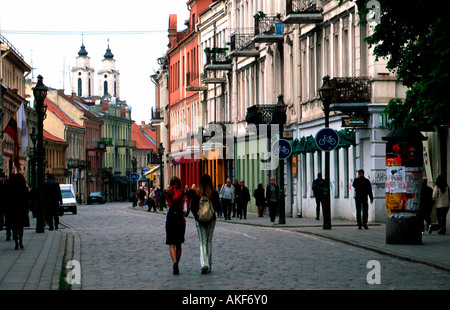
<point x="143" y="141"/>
<point x="51" y="137"/>
<point x="60" y="114"/>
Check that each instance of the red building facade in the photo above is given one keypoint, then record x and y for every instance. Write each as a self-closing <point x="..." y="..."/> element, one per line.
<point x="184" y="110"/>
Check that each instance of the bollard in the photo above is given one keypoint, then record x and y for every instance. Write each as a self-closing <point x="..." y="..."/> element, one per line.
<point x="404" y="166"/>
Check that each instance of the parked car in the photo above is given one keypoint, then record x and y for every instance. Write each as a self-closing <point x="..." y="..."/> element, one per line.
<point x="69" y="200"/>
<point x="96" y="197"/>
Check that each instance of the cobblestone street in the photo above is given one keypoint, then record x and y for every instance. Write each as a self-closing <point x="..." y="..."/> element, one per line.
<point x="124" y="248"/>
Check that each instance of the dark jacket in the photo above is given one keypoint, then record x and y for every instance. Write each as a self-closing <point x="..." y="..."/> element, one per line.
<point x="363" y="189"/>
<point x="318" y="187"/>
<point x="244" y="196"/>
<point x="17" y="207"/>
<point x="426" y="198"/>
<point x="53" y="197"/>
<point x="259" y="196"/>
<point x="269" y="192"/>
<point x="195" y="203"/>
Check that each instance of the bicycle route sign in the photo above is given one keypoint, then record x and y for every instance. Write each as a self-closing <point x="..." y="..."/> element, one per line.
<point x="281" y="149"/>
<point x="327" y="139"/>
<point x="134" y="176"/>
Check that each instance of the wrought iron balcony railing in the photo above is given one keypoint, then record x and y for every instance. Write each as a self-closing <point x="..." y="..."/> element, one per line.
<point x="217" y="56"/>
<point x="268" y="25"/>
<point x="303" y="11"/>
<point x="157" y="114"/>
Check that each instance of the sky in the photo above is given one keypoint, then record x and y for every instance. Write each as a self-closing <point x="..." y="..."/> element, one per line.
<point x="48" y="33"/>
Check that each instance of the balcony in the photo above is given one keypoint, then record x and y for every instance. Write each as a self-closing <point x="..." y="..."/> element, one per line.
<point x="193" y="84"/>
<point x="74" y="163"/>
<point x="303" y="12"/>
<point x="107" y="141"/>
<point x="157" y="116"/>
<point x="119" y="143"/>
<point x="242" y="45"/>
<point x="268" y="29"/>
<point x="217" y="59"/>
<point x="352" y="95"/>
<point x="96" y="145"/>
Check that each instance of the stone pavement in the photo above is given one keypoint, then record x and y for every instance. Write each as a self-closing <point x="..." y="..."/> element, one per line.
<point x="38" y="265"/>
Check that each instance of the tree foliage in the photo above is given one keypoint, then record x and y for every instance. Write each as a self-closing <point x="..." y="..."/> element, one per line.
<point x="413" y="36"/>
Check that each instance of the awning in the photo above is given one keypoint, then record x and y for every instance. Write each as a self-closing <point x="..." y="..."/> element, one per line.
<point x="121" y="179"/>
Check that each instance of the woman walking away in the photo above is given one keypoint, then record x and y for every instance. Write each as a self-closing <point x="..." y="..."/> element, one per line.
<point x="205" y="197"/>
<point x="259" y="196"/>
<point x="177" y="209"/>
<point x="18" y="207"/>
<point x="440" y="196"/>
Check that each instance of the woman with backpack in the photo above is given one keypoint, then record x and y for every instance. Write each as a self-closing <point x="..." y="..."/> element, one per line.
<point x="177" y="209"/>
<point x="204" y="205"/>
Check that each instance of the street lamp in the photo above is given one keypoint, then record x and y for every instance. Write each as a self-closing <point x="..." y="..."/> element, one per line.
<point x="161" y="175"/>
<point x="33" y="136"/>
<point x="326" y="93"/>
<point x="134" y="189"/>
<point x="280" y="110"/>
<point x="40" y="93"/>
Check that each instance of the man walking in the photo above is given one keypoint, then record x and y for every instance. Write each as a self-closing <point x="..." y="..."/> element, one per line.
<point x="227" y="196"/>
<point x="318" y="188"/>
<point x="363" y="189"/>
<point x="243" y="200"/>
<point x="272" y="198"/>
<point x="53" y="199"/>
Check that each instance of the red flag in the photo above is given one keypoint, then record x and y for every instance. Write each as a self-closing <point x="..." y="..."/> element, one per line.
<point x="11" y="129"/>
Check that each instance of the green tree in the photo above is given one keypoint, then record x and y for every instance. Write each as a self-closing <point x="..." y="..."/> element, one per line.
<point x="413" y="36"/>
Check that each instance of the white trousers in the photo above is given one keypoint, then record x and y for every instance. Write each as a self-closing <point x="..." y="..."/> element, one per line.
<point x="205" y="235"/>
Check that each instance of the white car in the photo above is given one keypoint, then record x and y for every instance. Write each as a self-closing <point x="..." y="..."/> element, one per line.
<point x="69" y="199"/>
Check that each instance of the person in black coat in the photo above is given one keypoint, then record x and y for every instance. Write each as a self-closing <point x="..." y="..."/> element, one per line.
<point x="53" y="199"/>
<point x="259" y="199"/>
<point x="426" y="203"/>
<point x="318" y="190"/>
<point x="363" y="190"/>
<point x="243" y="200"/>
<point x="272" y="198"/>
<point x="17" y="207"/>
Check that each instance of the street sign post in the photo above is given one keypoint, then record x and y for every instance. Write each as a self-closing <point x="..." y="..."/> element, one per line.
<point x="327" y="139"/>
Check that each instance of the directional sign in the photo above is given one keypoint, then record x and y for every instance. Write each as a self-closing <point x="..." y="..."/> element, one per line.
<point x="327" y="139"/>
<point x="281" y="149"/>
<point x="134" y="176"/>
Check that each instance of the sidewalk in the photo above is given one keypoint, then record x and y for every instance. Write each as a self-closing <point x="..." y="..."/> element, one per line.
<point x="38" y="265"/>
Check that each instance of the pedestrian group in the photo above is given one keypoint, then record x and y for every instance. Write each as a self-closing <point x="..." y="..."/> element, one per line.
<point x="17" y="199"/>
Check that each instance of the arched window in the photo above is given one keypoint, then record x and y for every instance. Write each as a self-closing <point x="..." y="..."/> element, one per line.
<point x="79" y="88"/>
<point x="89" y="88"/>
<point x="105" y="87"/>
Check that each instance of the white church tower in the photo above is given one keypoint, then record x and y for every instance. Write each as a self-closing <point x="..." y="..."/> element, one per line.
<point x="108" y="77"/>
<point x="83" y="75"/>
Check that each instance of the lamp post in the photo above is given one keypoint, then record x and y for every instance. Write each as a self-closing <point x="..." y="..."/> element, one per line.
<point x="40" y="93"/>
<point x="161" y="175"/>
<point x="134" y="189"/>
<point x="280" y="110"/>
<point x="34" y="137"/>
<point x="326" y="93"/>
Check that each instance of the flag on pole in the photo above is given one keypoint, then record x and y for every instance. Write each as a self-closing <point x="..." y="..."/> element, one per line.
<point x="11" y="130"/>
<point x="22" y="124"/>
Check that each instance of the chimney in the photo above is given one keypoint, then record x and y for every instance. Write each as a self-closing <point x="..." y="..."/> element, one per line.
<point x="172" y="30"/>
<point x="142" y="125"/>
